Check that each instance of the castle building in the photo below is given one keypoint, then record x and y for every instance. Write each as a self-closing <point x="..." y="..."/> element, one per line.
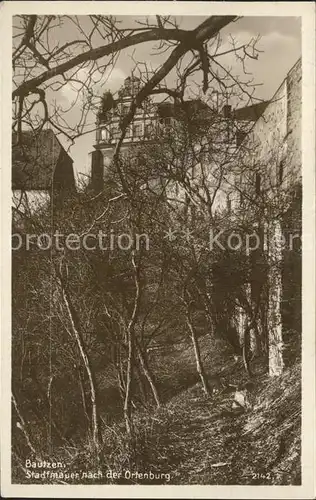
<point x="255" y="151"/>
<point x="143" y="128"/>
<point x="155" y="120"/>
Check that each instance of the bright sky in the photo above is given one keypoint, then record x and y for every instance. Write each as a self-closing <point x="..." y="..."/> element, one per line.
<point x="280" y="44"/>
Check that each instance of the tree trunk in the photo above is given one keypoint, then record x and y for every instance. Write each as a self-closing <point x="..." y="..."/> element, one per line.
<point x="142" y="387"/>
<point x="275" y="339"/>
<point x="131" y="352"/>
<point x="39" y="414"/>
<point x="87" y="364"/>
<point x="129" y="380"/>
<point x="197" y="353"/>
<point x="147" y="372"/>
<point x="121" y="382"/>
<point x="246" y="350"/>
<point x="84" y="400"/>
<point x="241" y="319"/>
<point x="23" y="428"/>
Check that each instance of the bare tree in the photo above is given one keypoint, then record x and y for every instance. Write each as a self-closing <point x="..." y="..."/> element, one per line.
<point x="42" y="67"/>
<point x="129" y="300"/>
<point x="76" y="331"/>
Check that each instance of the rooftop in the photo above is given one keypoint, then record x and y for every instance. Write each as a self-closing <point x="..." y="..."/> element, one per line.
<point x="251" y="113"/>
<point x="34" y="160"/>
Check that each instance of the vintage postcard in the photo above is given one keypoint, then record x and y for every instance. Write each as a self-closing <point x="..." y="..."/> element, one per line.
<point x="158" y="249"/>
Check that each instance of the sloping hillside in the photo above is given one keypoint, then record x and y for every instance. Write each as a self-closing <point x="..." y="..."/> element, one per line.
<point x="200" y="440"/>
<point x="192" y="439"/>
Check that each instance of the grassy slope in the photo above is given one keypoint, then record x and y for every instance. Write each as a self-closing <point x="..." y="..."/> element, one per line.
<point x="201" y="434"/>
<point x="198" y="440"/>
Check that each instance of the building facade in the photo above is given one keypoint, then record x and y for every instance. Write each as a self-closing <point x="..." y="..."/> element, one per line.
<point x="148" y="120"/>
<point x="42" y="171"/>
<point x="157" y="122"/>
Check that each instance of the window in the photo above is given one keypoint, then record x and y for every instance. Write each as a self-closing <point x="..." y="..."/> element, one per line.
<point x="148" y="107"/>
<point x="227" y="111"/>
<point x="104" y="134"/>
<point x="194" y="172"/>
<point x="229" y="202"/>
<point x="165" y="126"/>
<point x="124" y="109"/>
<point x="227" y="133"/>
<point x="115" y="132"/>
<point x="258" y="184"/>
<point x="149" y="129"/>
<point x="137" y="130"/>
<point x="165" y="121"/>
<point x="281" y="172"/>
<point x="135" y="86"/>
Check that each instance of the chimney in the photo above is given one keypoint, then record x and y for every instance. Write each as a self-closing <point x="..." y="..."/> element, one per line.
<point x="227" y="111"/>
<point x="97" y="171"/>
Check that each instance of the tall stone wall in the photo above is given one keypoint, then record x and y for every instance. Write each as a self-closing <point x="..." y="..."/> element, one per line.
<point x="294" y="120"/>
<point x="273" y="147"/>
<point x="273" y="151"/>
<point x="269" y="134"/>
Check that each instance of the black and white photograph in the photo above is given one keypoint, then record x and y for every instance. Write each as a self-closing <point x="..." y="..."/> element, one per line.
<point x="160" y="223"/>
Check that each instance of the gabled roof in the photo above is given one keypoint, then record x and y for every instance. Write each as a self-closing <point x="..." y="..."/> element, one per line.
<point x="191" y="107"/>
<point x="250" y="113"/>
<point x="194" y="106"/>
<point x="34" y="160"/>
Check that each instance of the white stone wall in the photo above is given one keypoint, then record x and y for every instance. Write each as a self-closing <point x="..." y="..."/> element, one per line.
<point x="275" y="140"/>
